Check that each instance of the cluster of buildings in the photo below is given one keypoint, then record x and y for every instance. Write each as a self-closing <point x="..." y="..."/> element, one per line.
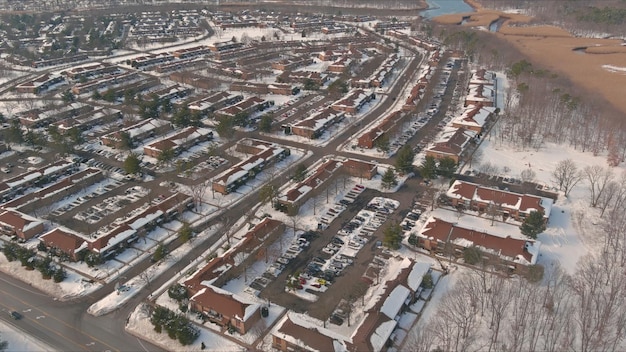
<point x="221" y="306"/>
<point x="35" y="191"/>
<point x="455" y="138"/>
<point x="154" y="26"/>
<point x="501" y="245"/>
<point x="319" y="176"/>
<point x="373" y="332"/>
<point x="392" y="122"/>
<point x="261" y="155"/>
<point x="118" y="235"/>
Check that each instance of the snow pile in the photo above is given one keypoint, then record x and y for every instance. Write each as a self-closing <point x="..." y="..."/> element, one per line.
<point x="18" y="341"/>
<point x="72" y="287"/>
<point x="139" y="325"/>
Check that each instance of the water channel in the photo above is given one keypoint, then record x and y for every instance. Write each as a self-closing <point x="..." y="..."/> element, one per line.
<point x="448" y="7"/>
<point x="445" y="7"/>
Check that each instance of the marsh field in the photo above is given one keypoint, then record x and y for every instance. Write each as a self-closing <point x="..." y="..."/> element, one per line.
<point x="595" y="64"/>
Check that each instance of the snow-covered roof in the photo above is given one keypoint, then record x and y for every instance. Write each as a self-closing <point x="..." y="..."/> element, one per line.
<point x="319" y="120"/>
<point x="142" y="221"/>
<point x="266" y="153"/>
<point x="518" y="250"/>
<point x="117" y="239"/>
<point x="473" y="116"/>
<point x="417" y="273"/>
<point x="381" y="335"/>
<point x="395" y="301"/>
<point x="524" y="203"/>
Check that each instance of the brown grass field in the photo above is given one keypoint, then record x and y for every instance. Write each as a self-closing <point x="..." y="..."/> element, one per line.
<point x="553" y="48"/>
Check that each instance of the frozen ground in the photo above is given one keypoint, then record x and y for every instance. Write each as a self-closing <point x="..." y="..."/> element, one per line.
<point x="572" y="230"/>
<point x="19" y="341"/>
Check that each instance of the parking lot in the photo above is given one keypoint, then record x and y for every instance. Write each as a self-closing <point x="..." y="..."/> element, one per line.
<point x="358" y="218"/>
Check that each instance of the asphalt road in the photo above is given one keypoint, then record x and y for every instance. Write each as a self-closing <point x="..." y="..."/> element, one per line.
<point x="64" y="326"/>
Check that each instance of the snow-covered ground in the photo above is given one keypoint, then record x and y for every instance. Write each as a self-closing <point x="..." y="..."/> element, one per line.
<point x="19" y="341"/>
<point x="134" y="285"/>
<point x="73" y="286"/>
<point x="571" y="231"/>
<point x="139" y="324"/>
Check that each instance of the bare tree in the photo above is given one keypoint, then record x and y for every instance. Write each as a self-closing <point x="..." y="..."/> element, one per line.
<point x="459" y="314"/>
<point x="598" y="178"/>
<point x="198" y="191"/>
<point x="475" y="157"/>
<point x="294" y="216"/>
<point x="598" y="290"/>
<point x="488" y="168"/>
<point x="604" y="200"/>
<point x="566" y="175"/>
<point x="421" y="340"/>
<point x="493" y="209"/>
<point x="316" y="201"/>
<point x="620" y="193"/>
<point x="528" y="175"/>
<point x="146" y="277"/>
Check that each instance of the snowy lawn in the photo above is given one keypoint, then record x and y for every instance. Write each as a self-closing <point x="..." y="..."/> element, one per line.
<point x="134" y="285"/>
<point x="19" y="341"/>
<point x="573" y="227"/>
<point x="139" y="324"/>
<point x="73" y="286"/>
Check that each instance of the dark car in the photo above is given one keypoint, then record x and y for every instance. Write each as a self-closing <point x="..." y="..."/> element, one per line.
<point x="15" y="315"/>
<point x="413" y="216"/>
<point x="335" y="319"/>
<point x="337" y="241"/>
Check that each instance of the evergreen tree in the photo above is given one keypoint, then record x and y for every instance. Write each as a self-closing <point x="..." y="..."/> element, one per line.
<point x="131" y="164"/>
<point x="429" y="167"/>
<point x="382" y="143"/>
<point x="59" y="275"/>
<point x="299" y="172"/>
<point x="68" y="97"/>
<point x="109" y="95"/>
<point x="93" y="259"/>
<point x="126" y="141"/>
<point x="393" y="236"/>
<point x="166" y="155"/>
<point x="533" y="225"/>
<point x="10" y="251"/>
<point x="241" y="119"/>
<point x="186" y="232"/>
<point x="446" y="167"/>
<point x="265" y="125"/>
<point x="159" y="253"/>
<point x="389" y="179"/>
<point x="182" y="117"/>
<point x="14" y="133"/>
<point x="472" y="255"/>
<point x="177" y="292"/>
<point x="224" y="128"/>
<point x="427" y="281"/>
<point x="404" y="159"/>
<point x="310" y="84"/>
<point x="4" y="345"/>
